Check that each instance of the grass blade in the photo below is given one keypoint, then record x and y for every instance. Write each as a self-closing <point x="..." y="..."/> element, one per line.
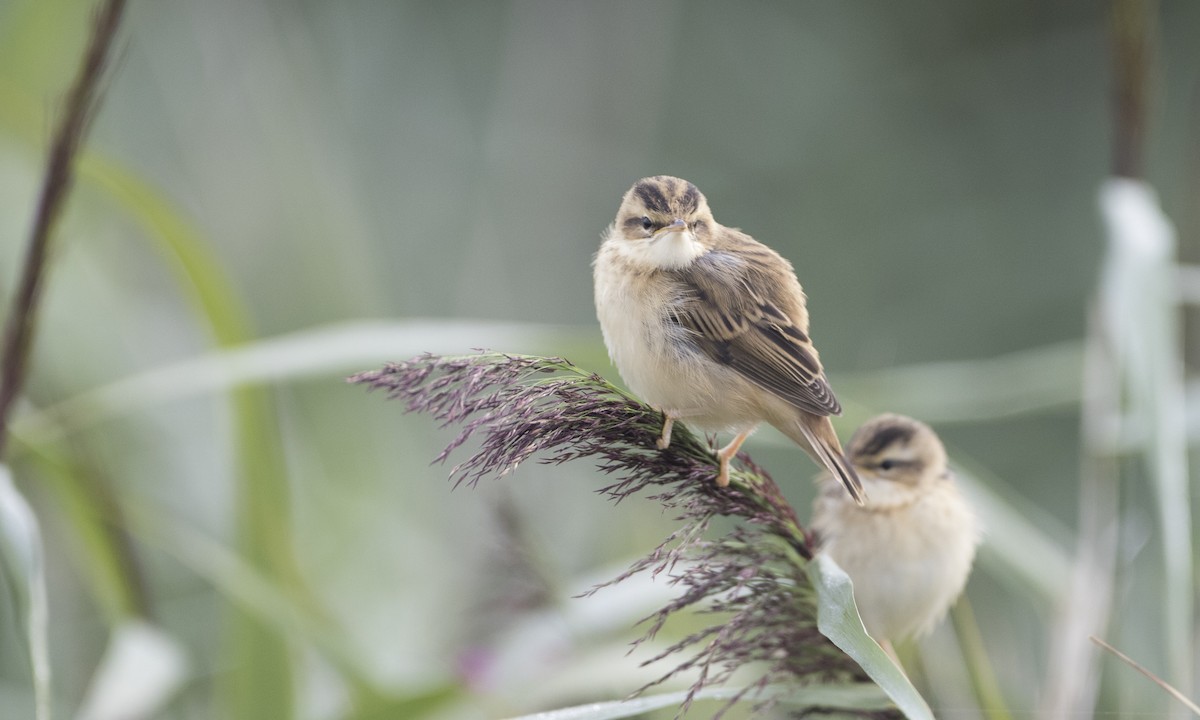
<point x="858" y="697"/>
<point x="141" y="669"/>
<point x="1028" y="381"/>
<point x="23" y="559"/>
<point x="838" y="620"/>
<point x="314" y="352"/>
<point x="1142" y="323"/>
<point x="263" y="683"/>
<point x="1156" y="679"/>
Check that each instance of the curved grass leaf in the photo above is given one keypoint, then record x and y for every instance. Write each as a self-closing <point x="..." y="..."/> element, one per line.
<point x="88" y="503"/>
<point x="1021" y="539"/>
<point x="1035" y="380"/>
<point x="256" y="594"/>
<point x="264" y="683"/>
<point x="23" y="560"/>
<point x="317" y="351"/>
<point x="141" y="669"/>
<point x="838" y="620"/>
<point x="856" y="697"/>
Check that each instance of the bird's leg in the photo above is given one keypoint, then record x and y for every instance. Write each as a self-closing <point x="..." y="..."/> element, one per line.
<point x="727" y="453"/>
<point x="664" y="440"/>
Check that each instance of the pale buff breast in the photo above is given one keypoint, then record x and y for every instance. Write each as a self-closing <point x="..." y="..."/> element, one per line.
<point x="652" y="353"/>
<point x="908" y="563"/>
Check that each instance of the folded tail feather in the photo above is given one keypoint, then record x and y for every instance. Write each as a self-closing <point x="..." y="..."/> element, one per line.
<point x="831" y="456"/>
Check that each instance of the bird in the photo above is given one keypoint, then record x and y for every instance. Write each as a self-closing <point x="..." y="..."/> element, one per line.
<point x="710" y="326"/>
<point x="909" y="549"/>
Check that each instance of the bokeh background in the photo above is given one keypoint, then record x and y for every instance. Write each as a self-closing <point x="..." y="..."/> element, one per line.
<point x="278" y="193"/>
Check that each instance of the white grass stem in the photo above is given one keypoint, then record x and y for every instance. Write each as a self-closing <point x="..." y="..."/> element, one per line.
<point x="1142" y="318"/>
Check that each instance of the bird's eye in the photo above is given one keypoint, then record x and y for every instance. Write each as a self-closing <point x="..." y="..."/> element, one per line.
<point x="646" y="223"/>
<point x="887" y="465"/>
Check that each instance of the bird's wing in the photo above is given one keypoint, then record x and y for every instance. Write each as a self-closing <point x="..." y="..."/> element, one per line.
<point x="745" y="310"/>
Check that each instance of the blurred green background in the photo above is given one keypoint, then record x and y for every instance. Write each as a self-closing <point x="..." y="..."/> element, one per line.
<point x="376" y="179"/>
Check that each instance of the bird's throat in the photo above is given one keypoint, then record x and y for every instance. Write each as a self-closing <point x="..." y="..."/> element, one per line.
<point x="672" y="251"/>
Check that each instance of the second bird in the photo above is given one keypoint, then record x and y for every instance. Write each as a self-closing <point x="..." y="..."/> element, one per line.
<point x="710" y="326"/>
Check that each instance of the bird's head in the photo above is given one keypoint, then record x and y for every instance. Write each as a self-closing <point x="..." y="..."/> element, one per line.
<point x="664" y="222"/>
<point x="897" y="449"/>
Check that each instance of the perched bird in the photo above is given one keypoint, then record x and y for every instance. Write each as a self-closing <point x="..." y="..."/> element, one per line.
<point x="909" y="549"/>
<point x="709" y="325"/>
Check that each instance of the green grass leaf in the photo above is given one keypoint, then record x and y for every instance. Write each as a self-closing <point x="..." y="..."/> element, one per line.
<point x="838" y="620"/>
<point x="257" y="595"/>
<point x="262" y="683"/>
<point x="430" y="703"/>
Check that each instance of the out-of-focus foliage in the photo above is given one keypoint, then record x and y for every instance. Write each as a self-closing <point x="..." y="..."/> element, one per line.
<point x="262" y="169"/>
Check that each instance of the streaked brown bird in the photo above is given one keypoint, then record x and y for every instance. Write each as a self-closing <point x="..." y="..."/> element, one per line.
<point x="710" y="326"/>
<point x="909" y="549"/>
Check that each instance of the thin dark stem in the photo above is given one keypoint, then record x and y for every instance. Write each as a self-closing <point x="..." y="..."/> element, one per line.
<point x="1132" y="33"/>
<point x="56" y="184"/>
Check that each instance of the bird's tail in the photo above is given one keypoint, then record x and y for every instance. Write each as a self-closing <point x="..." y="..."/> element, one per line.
<point x="822" y="442"/>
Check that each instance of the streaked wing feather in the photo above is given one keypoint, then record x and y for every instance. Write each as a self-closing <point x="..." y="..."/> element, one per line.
<point x="734" y="321"/>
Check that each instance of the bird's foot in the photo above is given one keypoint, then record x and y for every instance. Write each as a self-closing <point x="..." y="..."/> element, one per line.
<point x="726" y="454"/>
<point x="664" y="440"/>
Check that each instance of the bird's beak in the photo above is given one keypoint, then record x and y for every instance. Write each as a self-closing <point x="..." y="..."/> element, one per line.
<point x="677" y="226"/>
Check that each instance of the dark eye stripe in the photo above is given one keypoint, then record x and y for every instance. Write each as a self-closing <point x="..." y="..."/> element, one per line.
<point x="900" y="464"/>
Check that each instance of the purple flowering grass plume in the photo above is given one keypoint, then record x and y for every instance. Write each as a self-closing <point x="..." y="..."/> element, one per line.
<point x="752" y="577"/>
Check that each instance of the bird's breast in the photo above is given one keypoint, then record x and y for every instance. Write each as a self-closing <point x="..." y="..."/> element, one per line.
<point x="907" y="563"/>
<point x="653" y="352"/>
